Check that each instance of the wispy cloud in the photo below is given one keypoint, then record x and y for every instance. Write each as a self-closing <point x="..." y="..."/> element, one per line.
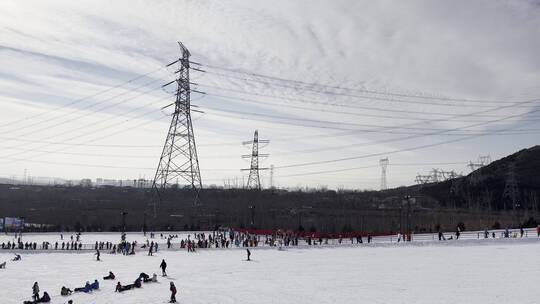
<point x="55" y="52"/>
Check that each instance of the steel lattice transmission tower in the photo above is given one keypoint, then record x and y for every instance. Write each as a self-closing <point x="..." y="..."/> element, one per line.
<point x="178" y="161"/>
<point x="384" y="164"/>
<point x="511" y="189"/>
<point x="254" y="181"/>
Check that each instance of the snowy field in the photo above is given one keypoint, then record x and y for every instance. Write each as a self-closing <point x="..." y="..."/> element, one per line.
<point x="468" y="271"/>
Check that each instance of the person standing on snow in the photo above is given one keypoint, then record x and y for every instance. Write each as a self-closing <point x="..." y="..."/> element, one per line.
<point x="97" y="255"/>
<point x="173" y="293"/>
<point x="35" y="291"/>
<point x="248" y="254"/>
<point x="163" y="267"/>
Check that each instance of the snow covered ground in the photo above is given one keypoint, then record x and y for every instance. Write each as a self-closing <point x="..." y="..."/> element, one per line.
<point x="468" y="271"/>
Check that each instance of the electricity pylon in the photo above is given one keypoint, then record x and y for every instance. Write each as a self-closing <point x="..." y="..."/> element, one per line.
<point x="511" y="189"/>
<point x="178" y="159"/>
<point x="254" y="181"/>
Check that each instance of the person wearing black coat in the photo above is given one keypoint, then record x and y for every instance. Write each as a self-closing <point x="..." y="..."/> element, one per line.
<point x="110" y="276"/>
<point x="163" y="267"/>
<point x="173" y="293"/>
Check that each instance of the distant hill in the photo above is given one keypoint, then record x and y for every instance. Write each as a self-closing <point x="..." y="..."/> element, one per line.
<point x="518" y="174"/>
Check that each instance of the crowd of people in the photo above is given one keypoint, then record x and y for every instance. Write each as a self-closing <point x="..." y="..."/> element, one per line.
<point x="44" y="245"/>
<point x="88" y="287"/>
<point x="221" y="239"/>
<point x="506" y="233"/>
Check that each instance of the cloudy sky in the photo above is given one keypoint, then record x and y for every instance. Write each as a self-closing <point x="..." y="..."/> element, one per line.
<point x="334" y="85"/>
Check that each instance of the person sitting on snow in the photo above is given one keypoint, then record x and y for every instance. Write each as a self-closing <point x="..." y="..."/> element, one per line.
<point x="86" y="288"/>
<point x="110" y="276"/>
<point x="120" y="288"/>
<point x="45" y="298"/>
<point x="137" y="283"/>
<point x="17" y="258"/>
<point x="95" y="285"/>
<point x="3" y="265"/>
<point x="65" y="291"/>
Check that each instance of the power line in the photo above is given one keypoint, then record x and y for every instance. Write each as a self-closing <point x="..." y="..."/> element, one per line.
<point x="298" y="151"/>
<point x="393" y="151"/>
<point x="355" y="106"/>
<point x="108" y="106"/>
<point x="83" y="98"/>
<point x="377" y="128"/>
<point x="91" y="124"/>
<point x="370" y="167"/>
<point x="396" y="139"/>
<point x="307" y="86"/>
<point x="400" y="117"/>
<point x="327" y="171"/>
<point x="532" y="101"/>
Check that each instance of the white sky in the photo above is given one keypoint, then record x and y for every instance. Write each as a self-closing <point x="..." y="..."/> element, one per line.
<point x="53" y="53"/>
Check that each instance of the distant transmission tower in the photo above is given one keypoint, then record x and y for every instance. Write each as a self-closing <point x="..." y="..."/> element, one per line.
<point x="254" y="181"/>
<point x="511" y="190"/>
<point x="483" y="160"/>
<point x="179" y="160"/>
<point x="384" y="164"/>
<point x="476" y="176"/>
<point x="271" y="176"/>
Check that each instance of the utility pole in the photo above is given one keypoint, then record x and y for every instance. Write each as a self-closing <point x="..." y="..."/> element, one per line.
<point x="271" y="176"/>
<point x="407" y="198"/>
<point x="384" y="164"/>
<point x="178" y="159"/>
<point x="252" y="208"/>
<point x="408" y="213"/>
<point x="254" y="181"/>
<point x="144" y="224"/>
<point x="124" y="221"/>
